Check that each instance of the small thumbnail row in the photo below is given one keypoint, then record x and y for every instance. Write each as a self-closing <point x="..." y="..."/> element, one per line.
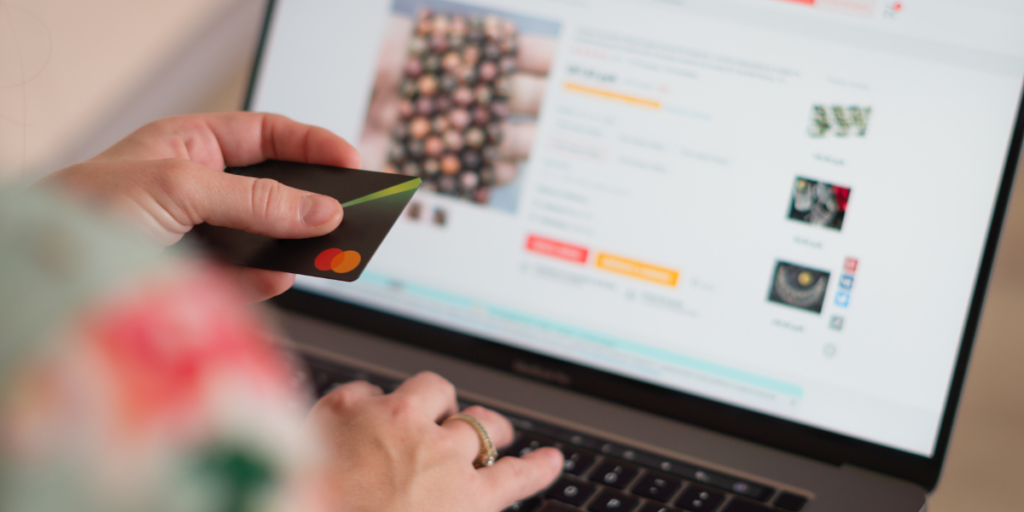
<point x="415" y="212"/>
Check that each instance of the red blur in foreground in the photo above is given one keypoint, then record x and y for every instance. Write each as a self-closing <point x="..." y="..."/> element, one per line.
<point x="163" y="389"/>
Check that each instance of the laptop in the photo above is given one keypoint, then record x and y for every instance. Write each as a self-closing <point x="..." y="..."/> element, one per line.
<point x="727" y="255"/>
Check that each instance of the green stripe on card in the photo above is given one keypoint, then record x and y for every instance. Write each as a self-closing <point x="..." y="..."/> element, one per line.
<point x="390" y="191"/>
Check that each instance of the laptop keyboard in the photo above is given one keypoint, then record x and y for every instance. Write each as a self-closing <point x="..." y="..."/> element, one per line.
<point x="600" y="475"/>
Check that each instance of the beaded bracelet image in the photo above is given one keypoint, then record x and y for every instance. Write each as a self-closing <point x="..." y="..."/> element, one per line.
<point x="456" y="98"/>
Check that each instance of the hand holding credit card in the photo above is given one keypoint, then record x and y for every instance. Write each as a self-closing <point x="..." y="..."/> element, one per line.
<point x="372" y="202"/>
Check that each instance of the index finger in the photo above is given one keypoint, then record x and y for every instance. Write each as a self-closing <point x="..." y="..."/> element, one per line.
<point x="514" y="478"/>
<point x="247" y="138"/>
<point x="234" y="139"/>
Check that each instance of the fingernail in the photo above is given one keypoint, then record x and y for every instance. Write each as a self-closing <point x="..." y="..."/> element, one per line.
<point x="317" y="209"/>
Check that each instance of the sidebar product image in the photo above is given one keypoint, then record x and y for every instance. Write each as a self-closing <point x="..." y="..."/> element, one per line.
<point x="818" y="203"/>
<point x="839" y="121"/>
<point x="798" y="286"/>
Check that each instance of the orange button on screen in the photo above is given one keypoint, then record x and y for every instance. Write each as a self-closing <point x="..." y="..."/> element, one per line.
<point x="636" y="269"/>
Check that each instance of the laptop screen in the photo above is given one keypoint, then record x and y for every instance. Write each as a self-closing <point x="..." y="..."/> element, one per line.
<point x="780" y="205"/>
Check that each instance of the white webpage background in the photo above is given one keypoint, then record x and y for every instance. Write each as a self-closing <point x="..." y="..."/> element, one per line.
<point x="923" y="185"/>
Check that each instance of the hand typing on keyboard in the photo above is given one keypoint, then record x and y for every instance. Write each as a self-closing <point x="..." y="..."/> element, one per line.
<point x="391" y="452"/>
<point x="597" y="475"/>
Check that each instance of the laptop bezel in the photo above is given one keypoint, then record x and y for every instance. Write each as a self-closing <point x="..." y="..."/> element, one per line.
<point x="777" y="433"/>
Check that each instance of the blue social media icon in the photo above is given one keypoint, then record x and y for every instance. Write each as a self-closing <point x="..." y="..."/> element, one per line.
<point x="842" y="298"/>
<point x="846" y="282"/>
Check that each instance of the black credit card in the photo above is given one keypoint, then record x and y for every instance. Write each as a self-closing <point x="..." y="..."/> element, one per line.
<point x="372" y="201"/>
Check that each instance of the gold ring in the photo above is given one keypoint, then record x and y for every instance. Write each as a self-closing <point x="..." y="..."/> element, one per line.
<point x="487" y="454"/>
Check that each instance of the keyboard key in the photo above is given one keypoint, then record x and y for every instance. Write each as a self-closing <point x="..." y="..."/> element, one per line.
<point x="583" y="441"/>
<point x="657" y="507"/>
<point x="617" y="450"/>
<point x="559" y="434"/>
<point x="613" y="501"/>
<point x="656" y="462"/>
<point x="573" y="492"/>
<point x="517" y="421"/>
<point x="711" y="478"/>
<point x="731" y="484"/>
<point x="672" y="467"/>
<point x="614" y="474"/>
<point x="554" y="506"/>
<point x="791" y="502"/>
<point x="747" y="489"/>
<point x="741" y="505"/>
<point x="556" y="433"/>
<point x="657" y="487"/>
<point x="577" y="462"/>
<point x="526" y="444"/>
<point x="528" y="505"/>
<point x="697" y="498"/>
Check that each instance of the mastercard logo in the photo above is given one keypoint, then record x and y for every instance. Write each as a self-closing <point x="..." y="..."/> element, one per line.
<point x="338" y="260"/>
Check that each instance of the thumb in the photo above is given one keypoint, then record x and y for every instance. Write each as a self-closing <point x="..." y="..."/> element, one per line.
<point x="257" y="205"/>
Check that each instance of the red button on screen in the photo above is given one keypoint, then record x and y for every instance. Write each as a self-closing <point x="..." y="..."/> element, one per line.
<point x="555" y="249"/>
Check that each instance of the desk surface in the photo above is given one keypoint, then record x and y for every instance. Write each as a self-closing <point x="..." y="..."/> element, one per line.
<point x="104" y="50"/>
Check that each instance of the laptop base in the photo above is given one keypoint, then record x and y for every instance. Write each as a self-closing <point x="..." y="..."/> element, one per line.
<point x="828" y="487"/>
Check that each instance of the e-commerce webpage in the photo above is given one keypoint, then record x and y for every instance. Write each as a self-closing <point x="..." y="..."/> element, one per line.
<point x="779" y="205"/>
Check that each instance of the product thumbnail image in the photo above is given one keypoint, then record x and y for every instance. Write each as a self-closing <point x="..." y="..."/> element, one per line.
<point x="838" y="121"/>
<point x="798" y="286"/>
<point x="818" y="203"/>
<point x="455" y="100"/>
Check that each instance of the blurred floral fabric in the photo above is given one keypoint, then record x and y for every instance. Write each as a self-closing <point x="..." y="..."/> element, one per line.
<point x="134" y="380"/>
